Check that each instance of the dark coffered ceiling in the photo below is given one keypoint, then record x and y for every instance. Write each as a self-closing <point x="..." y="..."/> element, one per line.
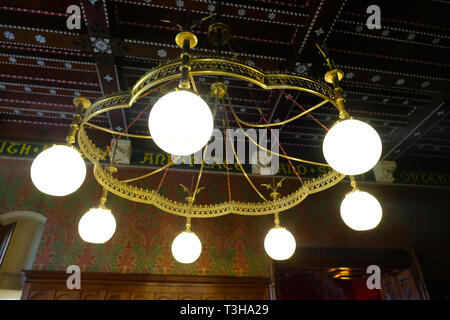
<point x="396" y="78"/>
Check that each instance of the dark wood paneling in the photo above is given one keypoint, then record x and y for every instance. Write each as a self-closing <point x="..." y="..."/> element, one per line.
<point x="48" y="285"/>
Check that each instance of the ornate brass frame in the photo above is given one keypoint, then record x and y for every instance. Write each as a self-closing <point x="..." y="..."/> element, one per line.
<point x="218" y="66"/>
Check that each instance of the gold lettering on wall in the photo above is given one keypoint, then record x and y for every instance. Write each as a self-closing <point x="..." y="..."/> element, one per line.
<point x="160" y="159"/>
<point x="424" y="178"/>
<point x="25" y="149"/>
<point x="301" y="169"/>
<point x="163" y="160"/>
<point x="148" y="157"/>
<point x="11" y="149"/>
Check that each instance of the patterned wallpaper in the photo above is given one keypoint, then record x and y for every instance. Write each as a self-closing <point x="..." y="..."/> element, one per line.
<point x="232" y="245"/>
<point x="144" y="234"/>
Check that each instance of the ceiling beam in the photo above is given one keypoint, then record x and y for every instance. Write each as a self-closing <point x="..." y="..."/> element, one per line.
<point x="303" y="57"/>
<point x="99" y="35"/>
<point x="419" y="125"/>
<point x="317" y="29"/>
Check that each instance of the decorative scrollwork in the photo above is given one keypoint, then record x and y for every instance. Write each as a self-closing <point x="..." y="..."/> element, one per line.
<point x="114" y="101"/>
<point x="234" y="69"/>
<point x="215" y="210"/>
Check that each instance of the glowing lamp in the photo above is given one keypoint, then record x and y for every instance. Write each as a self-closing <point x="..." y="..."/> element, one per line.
<point x="181" y="123"/>
<point x="97" y="225"/>
<point x="279" y="243"/>
<point x="352" y="147"/>
<point x="186" y="247"/>
<point x="361" y="211"/>
<point x="58" y="171"/>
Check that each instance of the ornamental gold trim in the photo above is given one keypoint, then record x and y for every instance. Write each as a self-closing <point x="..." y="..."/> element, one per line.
<point x="203" y="66"/>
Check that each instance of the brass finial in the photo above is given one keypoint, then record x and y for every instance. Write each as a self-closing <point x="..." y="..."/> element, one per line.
<point x="333" y="76"/>
<point x="103" y="198"/>
<point x="81" y="104"/>
<point x="81" y="101"/>
<point x="353" y="183"/>
<point x="190" y="194"/>
<point x="274" y="195"/>
<point x="218" y="89"/>
<point x="183" y="36"/>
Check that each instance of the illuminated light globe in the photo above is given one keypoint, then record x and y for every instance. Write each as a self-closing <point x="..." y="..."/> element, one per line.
<point x="361" y="211"/>
<point x="352" y="147"/>
<point x="186" y="247"/>
<point x="279" y="243"/>
<point x="181" y="123"/>
<point x="97" y="225"/>
<point x="58" y="171"/>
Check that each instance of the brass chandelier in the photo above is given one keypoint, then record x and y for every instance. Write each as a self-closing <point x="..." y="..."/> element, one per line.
<point x="350" y="147"/>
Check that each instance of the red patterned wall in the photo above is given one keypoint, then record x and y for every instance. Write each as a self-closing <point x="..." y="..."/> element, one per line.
<point x="232" y="245"/>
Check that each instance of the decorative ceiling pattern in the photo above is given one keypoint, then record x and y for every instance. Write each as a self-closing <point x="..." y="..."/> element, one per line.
<point x="396" y="78"/>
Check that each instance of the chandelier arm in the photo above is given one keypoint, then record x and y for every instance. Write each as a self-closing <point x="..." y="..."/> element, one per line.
<point x="81" y="104"/>
<point x="172" y="162"/>
<point x="221" y="66"/>
<point x="117" y="132"/>
<point x="199" y="176"/>
<point x="246" y="175"/>
<point x="191" y="78"/>
<point x="162" y="180"/>
<point x="209" y="211"/>
<point x="309" y="114"/>
<point x="215" y="106"/>
<point x="235" y="155"/>
<point x="205" y="66"/>
<point x="278" y="154"/>
<point x="156" y="89"/>
<point x="284" y="152"/>
<point x="282" y="122"/>
<point x="226" y="157"/>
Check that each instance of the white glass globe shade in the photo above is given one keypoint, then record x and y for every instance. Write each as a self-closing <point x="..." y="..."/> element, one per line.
<point x="58" y="171"/>
<point x="279" y="243"/>
<point x="352" y="147"/>
<point x="97" y="225"/>
<point x="361" y="211"/>
<point x="186" y="247"/>
<point x="181" y="123"/>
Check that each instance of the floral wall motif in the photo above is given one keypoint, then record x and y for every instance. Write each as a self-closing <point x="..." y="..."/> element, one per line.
<point x="144" y="234"/>
<point x="232" y="245"/>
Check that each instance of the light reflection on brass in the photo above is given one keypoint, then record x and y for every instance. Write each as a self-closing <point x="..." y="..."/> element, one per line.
<point x="217" y="66"/>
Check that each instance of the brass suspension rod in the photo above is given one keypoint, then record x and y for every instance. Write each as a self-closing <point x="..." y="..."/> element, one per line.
<point x="270" y="151"/>
<point x="235" y="155"/>
<point x="279" y="123"/>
